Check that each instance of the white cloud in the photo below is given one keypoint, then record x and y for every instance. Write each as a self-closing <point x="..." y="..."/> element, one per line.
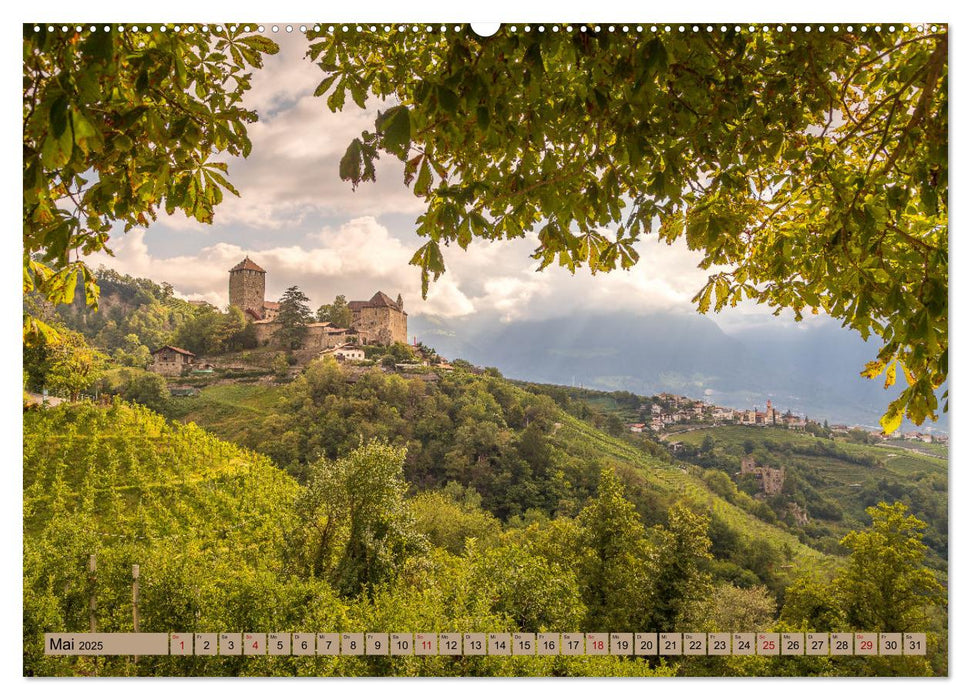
<point x="290" y="184"/>
<point x="291" y="176"/>
<point x="502" y="278"/>
<point x="355" y="259"/>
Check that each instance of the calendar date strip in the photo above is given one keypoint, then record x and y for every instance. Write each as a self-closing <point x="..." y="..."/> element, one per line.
<point x="486" y="644"/>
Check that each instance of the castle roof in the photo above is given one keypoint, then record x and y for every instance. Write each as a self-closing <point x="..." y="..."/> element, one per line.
<point x="382" y="299"/>
<point x="274" y="305"/>
<point x="247" y="264"/>
<point x="379" y="300"/>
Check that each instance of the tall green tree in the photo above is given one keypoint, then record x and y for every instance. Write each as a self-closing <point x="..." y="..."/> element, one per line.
<point x="338" y="313"/>
<point x="809" y="168"/>
<point x="200" y="332"/>
<point x="73" y="366"/>
<point x="293" y="318"/>
<point x="356" y="529"/>
<point x="449" y="523"/>
<point x="231" y="331"/>
<point x="537" y="594"/>
<point x="815" y="603"/>
<point x="681" y="551"/>
<point x="119" y="125"/>
<point x="614" y="574"/>
<point x="734" y="608"/>
<point x="886" y="584"/>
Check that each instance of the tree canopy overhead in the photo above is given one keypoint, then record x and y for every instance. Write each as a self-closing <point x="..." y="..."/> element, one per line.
<point x="809" y="167"/>
<point x="118" y="125"/>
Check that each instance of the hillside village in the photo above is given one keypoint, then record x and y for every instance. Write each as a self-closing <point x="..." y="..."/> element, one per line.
<point x="671" y="413"/>
<point x="673" y="410"/>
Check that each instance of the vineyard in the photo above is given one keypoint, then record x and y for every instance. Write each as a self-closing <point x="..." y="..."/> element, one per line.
<point x="225" y="540"/>
<point x="207" y="524"/>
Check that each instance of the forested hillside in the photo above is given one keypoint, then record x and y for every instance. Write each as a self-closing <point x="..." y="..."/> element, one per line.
<point x="833" y="480"/>
<point x="526" y="458"/>
<point x="465" y="503"/>
<point x="831" y="477"/>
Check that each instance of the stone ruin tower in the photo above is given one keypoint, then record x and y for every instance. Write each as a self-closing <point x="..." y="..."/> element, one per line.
<point x="247" y="287"/>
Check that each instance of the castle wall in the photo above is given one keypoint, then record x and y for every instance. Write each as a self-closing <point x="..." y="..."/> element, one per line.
<point x="247" y="289"/>
<point x="382" y="325"/>
<point x="772" y="480"/>
<point x="748" y="465"/>
<point x="317" y="337"/>
<point x="322" y="337"/>
<point x="264" y="332"/>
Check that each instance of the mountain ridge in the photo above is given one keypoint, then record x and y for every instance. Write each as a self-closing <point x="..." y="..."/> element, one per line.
<point x="811" y="369"/>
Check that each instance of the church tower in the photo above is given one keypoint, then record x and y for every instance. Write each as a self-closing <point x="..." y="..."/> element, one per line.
<point x="247" y="287"/>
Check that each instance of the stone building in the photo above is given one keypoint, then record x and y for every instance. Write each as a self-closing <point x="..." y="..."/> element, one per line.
<point x="247" y="290"/>
<point x="319" y="335"/>
<point x="170" y="360"/>
<point x="771" y="479"/>
<point x="271" y="310"/>
<point x="378" y="321"/>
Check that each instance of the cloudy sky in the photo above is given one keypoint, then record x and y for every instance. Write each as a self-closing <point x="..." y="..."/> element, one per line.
<point x="305" y="226"/>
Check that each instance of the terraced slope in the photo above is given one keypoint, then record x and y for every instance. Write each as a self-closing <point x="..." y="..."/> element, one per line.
<point x="678" y="480"/>
<point x="124" y="485"/>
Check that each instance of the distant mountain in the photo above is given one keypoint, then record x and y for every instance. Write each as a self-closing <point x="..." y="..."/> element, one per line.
<point x="810" y="369"/>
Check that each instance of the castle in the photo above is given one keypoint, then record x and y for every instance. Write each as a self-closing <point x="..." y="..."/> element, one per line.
<point x="771" y="479"/>
<point x="378" y="321"/>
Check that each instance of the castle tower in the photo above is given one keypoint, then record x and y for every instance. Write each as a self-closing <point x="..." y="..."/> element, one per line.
<point x="247" y="286"/>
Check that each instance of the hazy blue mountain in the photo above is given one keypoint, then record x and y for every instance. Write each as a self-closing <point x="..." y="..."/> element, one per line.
<point x="811" y="369"/>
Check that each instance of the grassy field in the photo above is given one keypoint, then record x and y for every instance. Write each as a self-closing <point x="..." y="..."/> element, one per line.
<point x="223" y="409"/>
<point x="736" y="435"/>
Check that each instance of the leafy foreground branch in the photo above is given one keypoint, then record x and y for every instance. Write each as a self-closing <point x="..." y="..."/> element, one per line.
<point x="809" y="168"/>
<point x="119" y="125"/>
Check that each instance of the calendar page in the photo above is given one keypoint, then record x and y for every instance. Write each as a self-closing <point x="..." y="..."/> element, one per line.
<point x="365" y="349"/>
